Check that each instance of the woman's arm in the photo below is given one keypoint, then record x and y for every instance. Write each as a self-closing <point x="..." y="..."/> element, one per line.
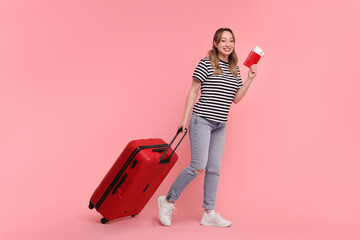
<point x="190" y="100"/>
<point x="241" y="92"/>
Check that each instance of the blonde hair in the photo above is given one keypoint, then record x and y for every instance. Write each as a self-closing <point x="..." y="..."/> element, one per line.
<point x="214" y="54"/>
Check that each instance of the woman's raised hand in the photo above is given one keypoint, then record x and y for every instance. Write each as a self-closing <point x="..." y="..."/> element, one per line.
<point x="252" y="71"/>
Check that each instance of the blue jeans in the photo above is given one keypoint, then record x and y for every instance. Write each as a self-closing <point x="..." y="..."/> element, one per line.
<point x="207" y="139"/>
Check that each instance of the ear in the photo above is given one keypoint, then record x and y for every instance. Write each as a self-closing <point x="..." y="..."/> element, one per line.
<point x="215" y="44"/>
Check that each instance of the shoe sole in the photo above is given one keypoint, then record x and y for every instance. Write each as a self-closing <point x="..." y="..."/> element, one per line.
<point x="211" y="224"/>
<point x="159" y="204"/>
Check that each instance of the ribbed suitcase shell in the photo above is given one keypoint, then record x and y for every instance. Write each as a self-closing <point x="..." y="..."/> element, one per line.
<point x="143" y="174"/>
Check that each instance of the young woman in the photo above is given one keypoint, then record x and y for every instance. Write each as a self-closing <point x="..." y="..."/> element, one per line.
<point x="218" y="76"/>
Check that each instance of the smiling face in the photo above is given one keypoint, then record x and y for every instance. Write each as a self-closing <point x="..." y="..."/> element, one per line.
<point x="225" y="46"/>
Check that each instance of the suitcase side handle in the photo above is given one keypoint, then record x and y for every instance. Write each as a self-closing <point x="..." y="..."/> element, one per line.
<point x="177" y="133"/>
<point x="159" y="149"/>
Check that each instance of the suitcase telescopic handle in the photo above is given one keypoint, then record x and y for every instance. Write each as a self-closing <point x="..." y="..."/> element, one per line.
<point x="177" y="133"/>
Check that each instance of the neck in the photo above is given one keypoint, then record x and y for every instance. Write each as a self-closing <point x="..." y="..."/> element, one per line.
<point x="225" y="58"/>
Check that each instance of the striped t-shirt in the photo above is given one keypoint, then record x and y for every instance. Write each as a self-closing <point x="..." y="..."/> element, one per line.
<point x="217" y="90"/>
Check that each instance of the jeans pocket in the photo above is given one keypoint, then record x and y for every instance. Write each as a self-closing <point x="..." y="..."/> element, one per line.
<point x="193" y="120"/>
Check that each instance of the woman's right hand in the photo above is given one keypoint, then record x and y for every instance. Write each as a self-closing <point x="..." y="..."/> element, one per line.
<point x="182" y="125"/>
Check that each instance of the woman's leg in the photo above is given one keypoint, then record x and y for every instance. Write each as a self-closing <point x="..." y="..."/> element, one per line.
<point x="212" y="171"/>
<point x="200" y="133"/>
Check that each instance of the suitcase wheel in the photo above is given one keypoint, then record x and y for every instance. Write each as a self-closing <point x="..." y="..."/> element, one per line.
<point x="91" y="205"/>
<point x="104" y="220"/>
<point x="133" y="215"/>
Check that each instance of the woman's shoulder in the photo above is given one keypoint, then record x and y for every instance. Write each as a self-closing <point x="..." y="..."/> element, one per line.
<point x="204" y="63"/>
<point x="205" y="59"/>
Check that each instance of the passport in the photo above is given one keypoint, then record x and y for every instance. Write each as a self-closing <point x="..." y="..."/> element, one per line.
<point x="254" y="57"/>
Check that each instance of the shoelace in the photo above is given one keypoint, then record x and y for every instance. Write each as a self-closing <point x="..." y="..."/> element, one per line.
<point x="217" y="218"/>
<point x="170" y="210"/>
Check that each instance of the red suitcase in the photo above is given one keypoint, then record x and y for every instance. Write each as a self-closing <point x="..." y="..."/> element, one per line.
<point x="134" y="177"/>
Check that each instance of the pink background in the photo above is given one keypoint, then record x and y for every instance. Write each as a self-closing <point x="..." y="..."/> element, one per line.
<point x="79" y="79"/>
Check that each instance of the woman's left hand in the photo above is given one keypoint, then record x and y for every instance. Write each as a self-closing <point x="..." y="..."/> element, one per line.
<point x="252" y="71"/>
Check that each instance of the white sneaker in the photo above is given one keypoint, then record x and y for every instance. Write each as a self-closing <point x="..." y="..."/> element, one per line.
<point x="165" y="210"/>
<point x="214" y="219"/>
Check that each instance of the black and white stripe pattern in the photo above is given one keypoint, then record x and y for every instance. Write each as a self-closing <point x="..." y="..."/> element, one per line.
<point x="217" y="90"/>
